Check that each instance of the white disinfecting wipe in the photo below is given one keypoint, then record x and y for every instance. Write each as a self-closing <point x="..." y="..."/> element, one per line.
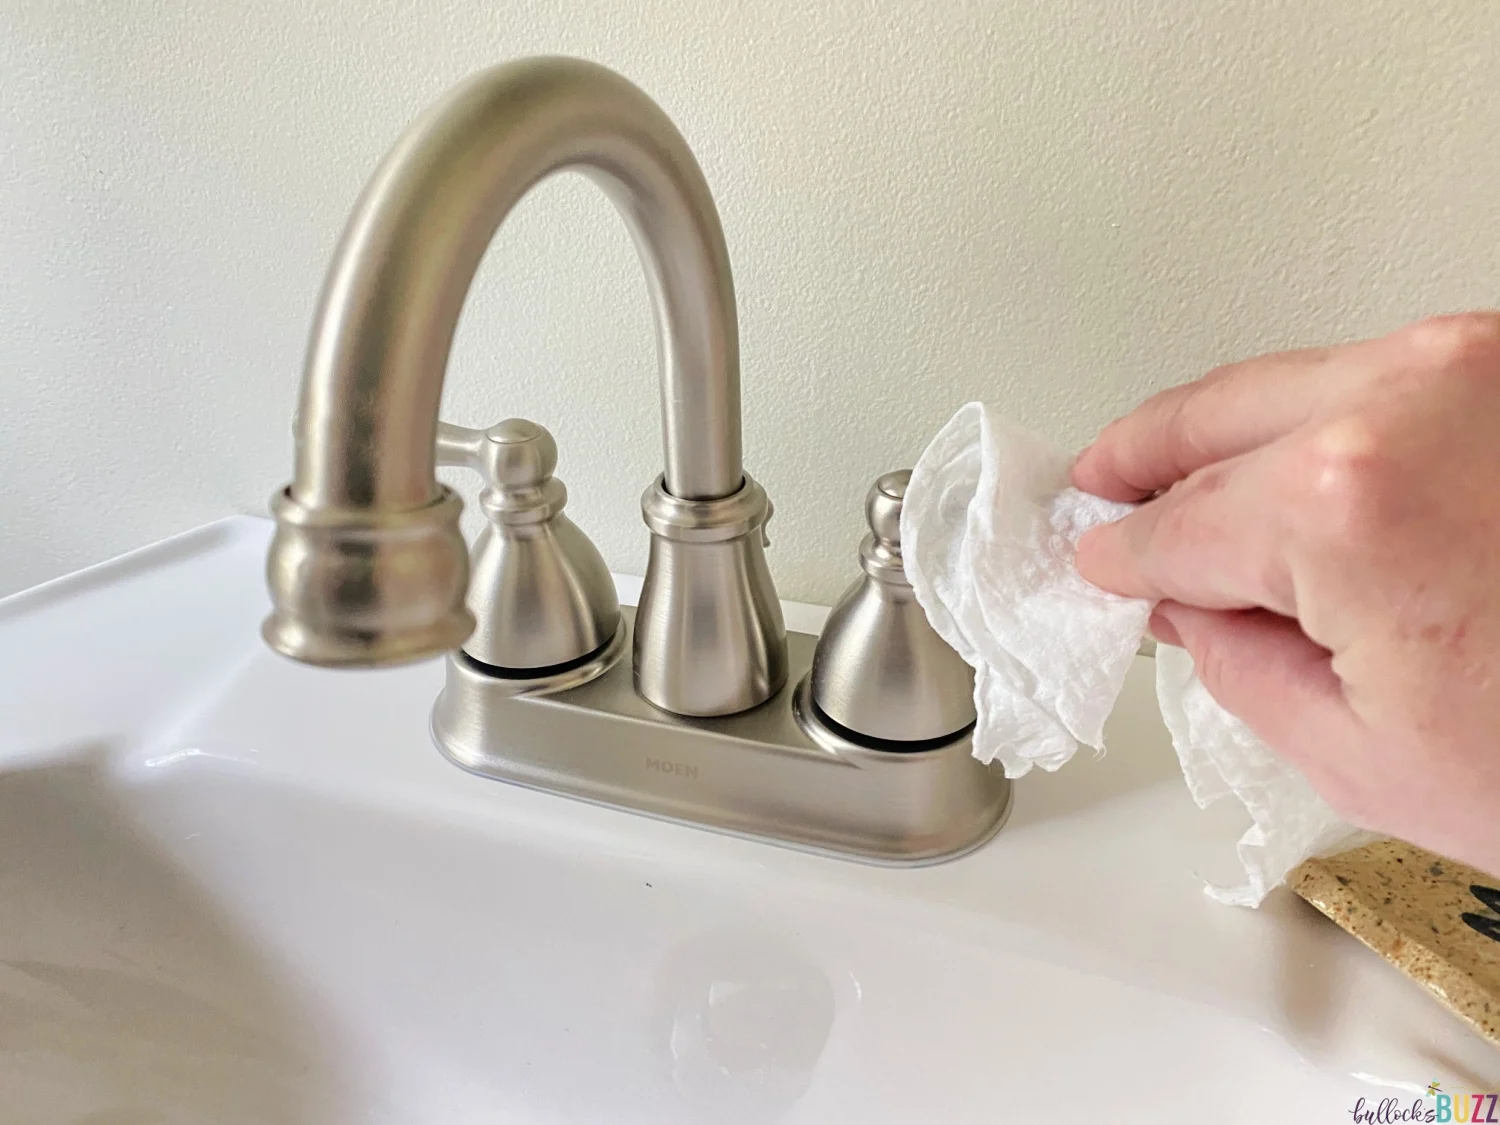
<point x="989" y="528"/>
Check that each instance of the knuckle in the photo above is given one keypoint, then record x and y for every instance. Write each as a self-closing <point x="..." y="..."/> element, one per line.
<point x="1190" y="426"/>
<point x="1461" y="342"/>
<point x="1349" y="481"/>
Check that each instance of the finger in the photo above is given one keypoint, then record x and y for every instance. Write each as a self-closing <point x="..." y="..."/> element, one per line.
<point x="1161" y="628"/>
<point x="1229" y="411"/>
<point x="1261" y="667"/>
<point x="1213" y="540"/>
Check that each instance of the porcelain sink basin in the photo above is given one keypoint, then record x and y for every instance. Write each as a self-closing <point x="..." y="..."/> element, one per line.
<point x="233" y="889"/>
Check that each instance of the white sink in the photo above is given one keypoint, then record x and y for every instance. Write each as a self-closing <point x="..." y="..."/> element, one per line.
<point x="233" y="889"/>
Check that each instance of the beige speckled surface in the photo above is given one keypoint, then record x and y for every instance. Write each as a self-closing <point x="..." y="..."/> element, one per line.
<point x="1420" y="912"/>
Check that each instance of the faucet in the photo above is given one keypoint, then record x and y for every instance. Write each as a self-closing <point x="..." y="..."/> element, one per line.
<point x="868" y="757"/>
<point x="368" y="566"/>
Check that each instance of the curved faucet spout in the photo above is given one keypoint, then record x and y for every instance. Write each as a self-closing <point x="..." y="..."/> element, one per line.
<point x="368" y="566"/>
<point x="391" y="302"/>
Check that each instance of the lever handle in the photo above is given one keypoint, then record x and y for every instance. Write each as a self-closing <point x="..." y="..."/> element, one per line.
<point x="510" y="456"/>
<point x="461" y="446"/>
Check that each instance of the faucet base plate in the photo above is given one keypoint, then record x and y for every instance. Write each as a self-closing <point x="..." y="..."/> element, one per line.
<point x="756" y="774"/>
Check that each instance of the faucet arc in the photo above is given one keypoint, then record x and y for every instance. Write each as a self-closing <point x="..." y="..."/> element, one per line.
<point x="367" y="566"/>
<point x="398" y="281"/>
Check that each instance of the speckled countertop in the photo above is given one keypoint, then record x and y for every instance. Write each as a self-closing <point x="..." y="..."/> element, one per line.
<point x="1436" y="920"/>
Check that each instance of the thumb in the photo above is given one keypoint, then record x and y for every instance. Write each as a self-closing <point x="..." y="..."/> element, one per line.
<point x="1263" y="668"/>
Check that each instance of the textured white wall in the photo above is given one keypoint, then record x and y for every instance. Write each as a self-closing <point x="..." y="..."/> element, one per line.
<point x="1056" y="207"/>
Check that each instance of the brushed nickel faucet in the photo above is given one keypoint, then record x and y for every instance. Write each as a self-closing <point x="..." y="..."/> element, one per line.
<point x="367" y="566"/>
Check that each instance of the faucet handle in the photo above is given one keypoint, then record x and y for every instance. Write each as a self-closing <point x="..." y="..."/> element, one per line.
<point x="883" y="509"/>
<point x="880" y="672"/>
<point x="516" y="459"/>
<point x="540" y="592"/>
<point x="460" y="446"/>
<point x="513" y="454"/>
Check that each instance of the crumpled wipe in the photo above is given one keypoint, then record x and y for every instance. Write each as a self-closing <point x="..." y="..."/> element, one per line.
<point x="989" y="531"/>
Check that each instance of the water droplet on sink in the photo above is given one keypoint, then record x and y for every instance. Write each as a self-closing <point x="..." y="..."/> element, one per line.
<point x="743" y="1021"/>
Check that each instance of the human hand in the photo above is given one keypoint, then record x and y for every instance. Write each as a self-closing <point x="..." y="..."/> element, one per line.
<point x="1323" y="530"/>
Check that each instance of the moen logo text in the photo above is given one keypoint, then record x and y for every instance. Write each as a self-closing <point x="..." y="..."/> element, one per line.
<point x="676" y="769"/>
